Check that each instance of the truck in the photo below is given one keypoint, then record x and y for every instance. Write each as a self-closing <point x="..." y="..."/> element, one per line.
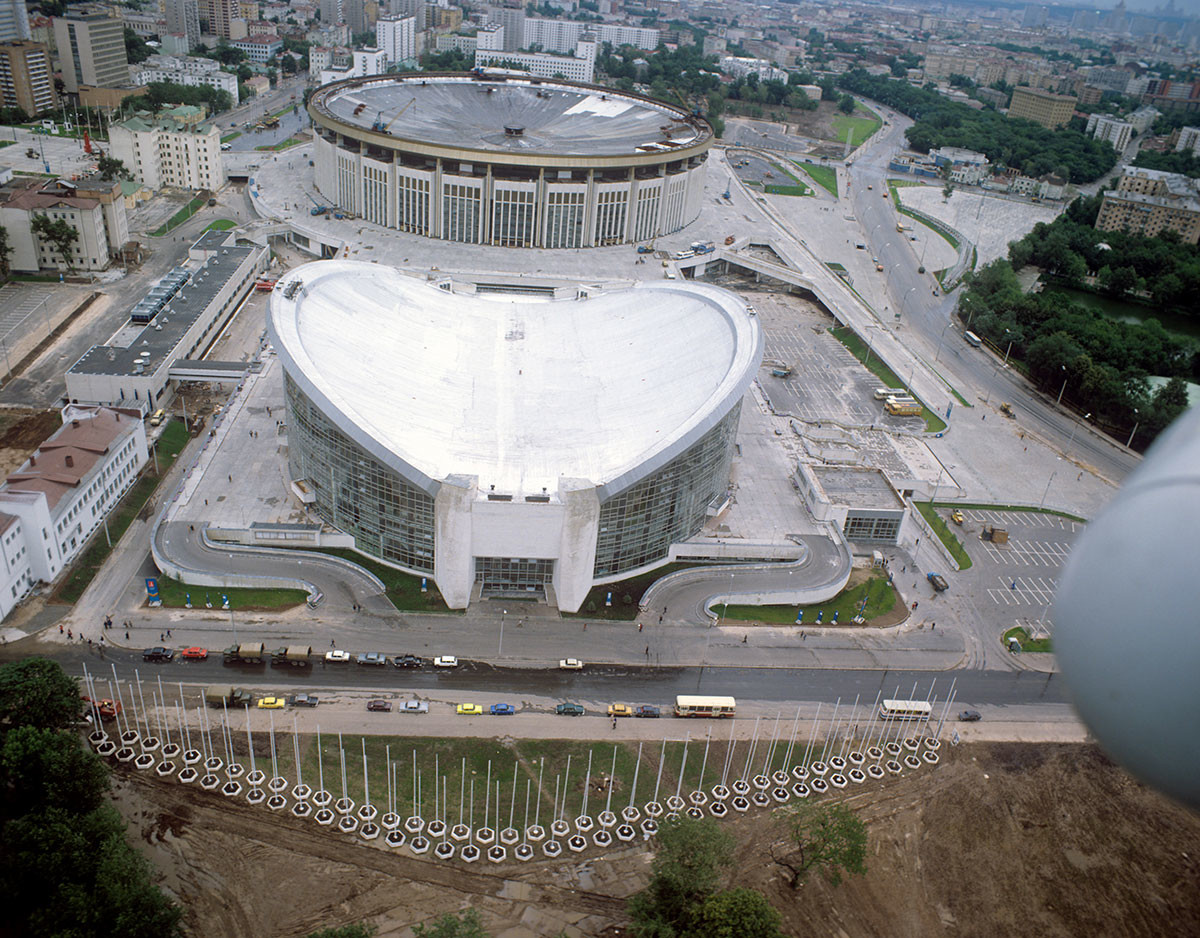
<point x="937" y="581"/>
<point x="292" y="656"/>
<point x="702" y="247"/>
<point x="900" y="226"/>
<point x="901" y="407"/>
<point x="245" y="653"/>
<point x="645" y="249"/>
<point x="226" y="695"/>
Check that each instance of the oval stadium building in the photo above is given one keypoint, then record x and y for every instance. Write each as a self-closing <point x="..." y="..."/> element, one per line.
<point x="506" y="159"/>
<point x="504" y="443"/>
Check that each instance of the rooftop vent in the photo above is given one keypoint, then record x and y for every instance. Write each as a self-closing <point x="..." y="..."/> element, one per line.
<point x="69" y="460"/>
<point x="511" y="130"/>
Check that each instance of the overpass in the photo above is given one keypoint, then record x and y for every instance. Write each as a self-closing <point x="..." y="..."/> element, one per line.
<point x="186" y="369"/>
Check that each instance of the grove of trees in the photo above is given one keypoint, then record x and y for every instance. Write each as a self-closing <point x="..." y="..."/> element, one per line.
<point x="66" y="868"/>
<point x="1019" y="144"/>
<point x="1103" y="364"/>
<point x="159" y="94"/>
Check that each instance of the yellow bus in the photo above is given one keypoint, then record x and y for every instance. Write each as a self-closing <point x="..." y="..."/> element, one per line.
<point x="688" y="706"/>
<point x="920" y="710"/>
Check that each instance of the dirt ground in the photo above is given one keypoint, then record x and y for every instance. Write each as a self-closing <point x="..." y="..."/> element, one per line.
<point x="21" y="432"/>
<point x="999" y="839"/>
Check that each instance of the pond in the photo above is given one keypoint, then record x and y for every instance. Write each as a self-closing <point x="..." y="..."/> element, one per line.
<point x="1183" y="327"/>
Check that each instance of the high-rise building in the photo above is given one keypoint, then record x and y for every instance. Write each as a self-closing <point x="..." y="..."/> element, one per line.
<point x="513" y="21"/>
<point x="92" y="49"/>
<point x="14" y="20"/>
<point x="1042" y="107"/>
<point x="26" y="78"/>
<point x="1034" y="17"/>
<point x="396" y="36"/>
<point x="1109" y="129"/>
<point x="220" y="14"/>
<point x="183" y="17"/>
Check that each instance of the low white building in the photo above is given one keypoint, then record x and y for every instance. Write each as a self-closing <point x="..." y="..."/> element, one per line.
<point x="94" y="207"/>
<point x="1110" y="130"/>
<point x="177" y="321"/>
<point x="160" y="151"/>
<point x="1143" y="118"/>
<point x="259" y="49"/>
<point x="740" y="68"/>
<point x="580" y="67"/>
<point x="187" y="70"/>
<point x="63" y="492"/>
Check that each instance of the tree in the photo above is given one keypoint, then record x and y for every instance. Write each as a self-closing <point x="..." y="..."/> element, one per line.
<point x="44" y="768"/>
<point x="112" y="168"/>
<point x="692" y="854"/>
<point x="819" y="836"/>
<point x="453" y="926"/>
<point x="59" y="233"/>
<point x="6" y="250"/>
<point x="37" y="692"/>
<point x="846" y="104"/>
<point x="136" y="48"/>
<point x="735" y="913"/>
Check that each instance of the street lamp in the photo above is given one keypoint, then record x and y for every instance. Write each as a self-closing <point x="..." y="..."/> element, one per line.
<point x="1074" y="428"/>
<point x="1063" y="388"/>
<point x="1136" y="423"/>
<point x="500" y="650"/>
<point x="941" y="336"/>
<point x="1009" y="349"/>
<point x="1047" y="492"/>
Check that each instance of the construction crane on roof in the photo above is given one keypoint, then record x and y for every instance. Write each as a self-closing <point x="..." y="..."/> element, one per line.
<point x="379" y="125"/>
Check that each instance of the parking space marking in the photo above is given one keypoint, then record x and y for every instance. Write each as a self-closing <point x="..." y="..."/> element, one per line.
<point x="1021" y="591"/>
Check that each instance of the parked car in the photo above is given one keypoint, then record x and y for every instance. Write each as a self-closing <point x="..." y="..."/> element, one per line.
<point x="414" y="706"/>
<point x="406" y="661"/>
<point x="372" y="657"/>
<point x="380" y="706"/>
<point x="620" y="710"/>
<point x="569" y="710"/>
<point x="969" y="716"/>
<point x="304" y="700"/>
<point x="158" y="654"/>
<point x="503" y="710"/>
<point x="194" y="653"/>
<point x="469" y="710"/>
<point x="645" y="710"/>
<point x="338" y="656"/>
<point x="271" y="703"/>
<point x="445" y="661"/>
<point x="570" y="664"/>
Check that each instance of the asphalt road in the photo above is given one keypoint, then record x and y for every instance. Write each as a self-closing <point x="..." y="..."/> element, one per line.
<point x="912" y="294"/>
<point x="642" y="684"/>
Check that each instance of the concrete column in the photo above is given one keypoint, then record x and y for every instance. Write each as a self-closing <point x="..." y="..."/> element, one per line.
<point x="589" y="211"/>
<point x="577" y="547"/>
<point x="435" y="202"/>
<point x="453" y="560"/>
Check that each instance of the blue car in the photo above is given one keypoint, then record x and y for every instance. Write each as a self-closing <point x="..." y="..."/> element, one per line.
<point x="503" y="710"/>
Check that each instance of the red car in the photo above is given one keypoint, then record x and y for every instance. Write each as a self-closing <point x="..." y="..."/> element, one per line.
<point x="194" y="654"/>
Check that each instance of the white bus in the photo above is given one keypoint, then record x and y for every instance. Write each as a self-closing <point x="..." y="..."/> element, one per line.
<point x="905" y="710"/>
<point x="686" y="706"/>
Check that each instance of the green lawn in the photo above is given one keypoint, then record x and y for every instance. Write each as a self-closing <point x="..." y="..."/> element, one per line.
<point x="174" y="596"/>
<point x="626" y="595"/>
<point x="178" y="218"/>
<point x="282" y="145"/>
<point x="1027" y="643"/>
<point x="856" y="127"/>
<point x="945" y="535"/>
<point x="228" y="138"/>
<point x="173" y="439"/>
<point x="877" y="591"/>
<point x="403" y="589"/>
<point x="858" y="348"/>
<point x="221" y="224"/>
<point x="443" y="758"/>
<point x="799" y="190"/>
<point x="6" y="143"/>
<point x="823" y="176"/>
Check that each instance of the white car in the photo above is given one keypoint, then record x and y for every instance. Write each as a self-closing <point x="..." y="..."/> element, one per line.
<point x="570" y="664"/>
<point x="226" y="146"/>
<point x="338" y="656"/>
<point x="445" y="661"/>
<point x="414" y="706"/>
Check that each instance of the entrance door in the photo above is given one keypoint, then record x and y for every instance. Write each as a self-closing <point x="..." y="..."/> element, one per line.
<point x="513" y="576"/>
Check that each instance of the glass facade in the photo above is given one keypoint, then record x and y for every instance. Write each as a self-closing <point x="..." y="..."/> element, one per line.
<point x="639" y="525"/>
<point x="884" y="529"/>
<point x="388" y="517"/>
<point x="513" y="574"/>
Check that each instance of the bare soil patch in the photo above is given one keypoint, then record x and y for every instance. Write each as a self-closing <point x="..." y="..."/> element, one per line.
<point x="21" y="432"/>
<point x="999" y="839"/>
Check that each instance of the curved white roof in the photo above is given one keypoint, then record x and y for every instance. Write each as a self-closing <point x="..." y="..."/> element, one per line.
<point x="516" y="390"/>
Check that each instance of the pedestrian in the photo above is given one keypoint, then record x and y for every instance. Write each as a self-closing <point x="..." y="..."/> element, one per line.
<point x="984" y="417"/>
<point x="614" y="723"/>
<point x="932" y="626"/>
<point x="60" y="628"/>
<point x="168" y="633"/>
<point x="231" y="478"/>
<point x="1078" y="477"/>
<point x="332" y="643"/>
<point x="664" y="610"/>
<point x="904" y="569"/>
<point x="69" y="635"/>
<point x="803" y="637"/>
<point x="640" y="626"/>
<point x="915" y="604"/>
<point x="660" y="618"/>
<point x="162" y="637"/>
<point x="89" y="643"/>
<point x="744" y="637"/>
<point x="647" y="651"/>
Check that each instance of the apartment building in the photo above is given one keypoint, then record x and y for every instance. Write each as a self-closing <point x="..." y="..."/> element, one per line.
<point x="26" y="77"/>
<point x="186" y="70"/>
<point x="1148" y="202"/>
<point x="1042" y="107"/>
<point x="64" y="491"/>
<point x="14" y="21"/>
<point x="580" y="67"/>
<point x="359" y="63"/>
<point x="1111" y="130"/>
<point x="1189" y="140"/>
<point x="259" y="49"/>
<point x="161" y="151"/>
<point x="91" y="47"/>
<point x="562" y="35"/>
<point x="92" y="206"/>
<point x="396" y="37"/>
<point x="183" y="18"/>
